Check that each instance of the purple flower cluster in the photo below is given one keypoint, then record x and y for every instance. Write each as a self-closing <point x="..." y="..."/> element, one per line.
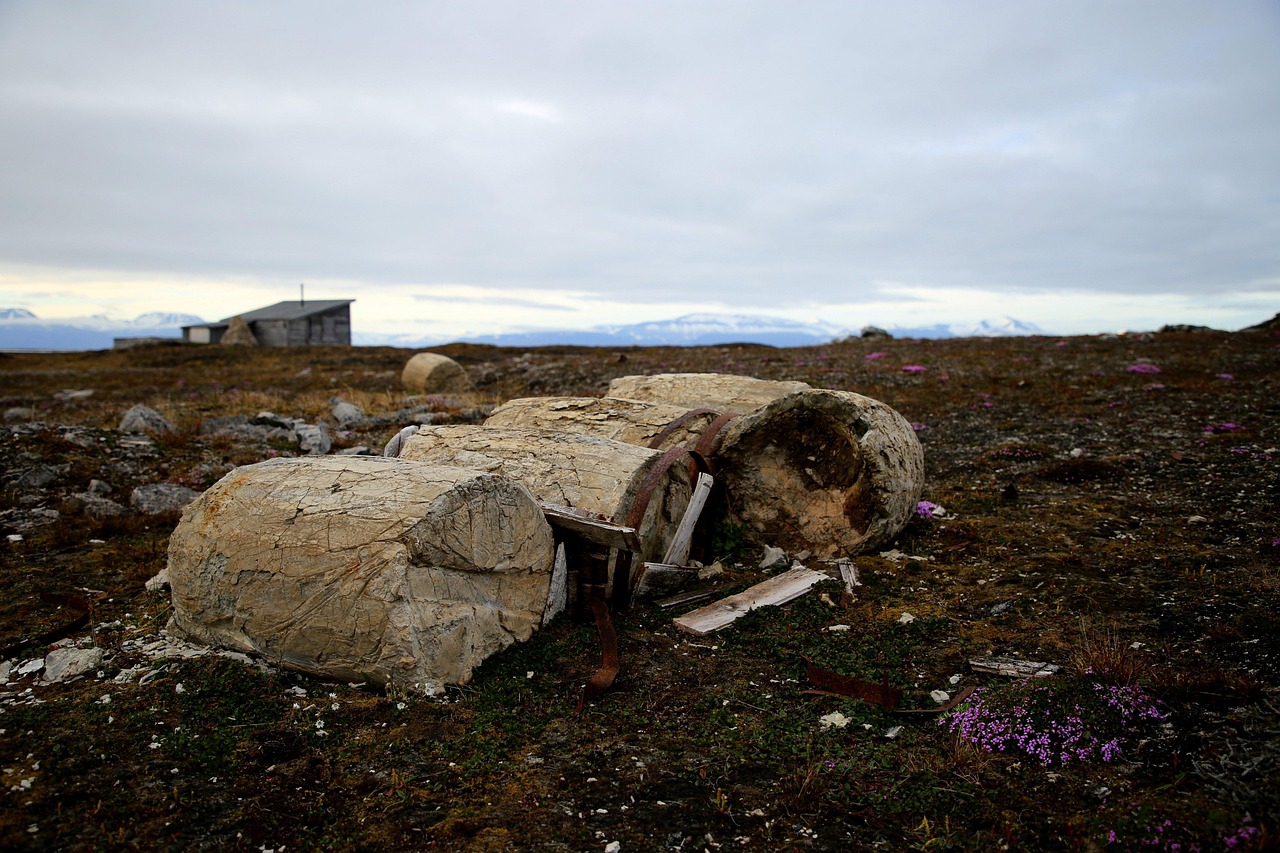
<point x="1142" y="367"/>
<point x="1054" y="723"/>
<point x="927" y="509"/>
<point x="1226" y="426"/>
<point x="913" y="368"/>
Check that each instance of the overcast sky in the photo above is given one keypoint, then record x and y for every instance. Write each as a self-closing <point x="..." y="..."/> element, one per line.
<point x="467" y="167"/>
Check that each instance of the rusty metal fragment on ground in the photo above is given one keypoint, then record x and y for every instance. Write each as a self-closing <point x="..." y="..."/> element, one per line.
<point x="834" y="684"/>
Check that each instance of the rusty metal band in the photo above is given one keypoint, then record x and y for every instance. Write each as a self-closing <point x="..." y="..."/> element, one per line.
<point x="609" y="666"/>
<point x="834" y="684"/>
<point x="677" y="423"/>
<point x="640" y="503"/>
<point x="61" y="631"/>
<point x="710" y="441"/>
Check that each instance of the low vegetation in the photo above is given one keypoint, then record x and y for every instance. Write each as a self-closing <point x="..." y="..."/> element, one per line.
<point x="1105" y="504"/>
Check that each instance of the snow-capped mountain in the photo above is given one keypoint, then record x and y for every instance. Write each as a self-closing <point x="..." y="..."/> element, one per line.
<point x="22" y="329"/>
<point x="689" y="330"/>
<point x="1000" y="327"/>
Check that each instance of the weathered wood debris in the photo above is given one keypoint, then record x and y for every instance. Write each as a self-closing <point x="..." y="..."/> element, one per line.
<point x="830" y="472"/>
<point x="595" y="475"/>
<point x="362" y="569"/>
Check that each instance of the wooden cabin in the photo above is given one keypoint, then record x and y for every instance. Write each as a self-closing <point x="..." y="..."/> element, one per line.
<point x="322" y="322"/>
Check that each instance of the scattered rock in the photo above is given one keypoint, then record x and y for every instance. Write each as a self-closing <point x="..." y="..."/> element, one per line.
<point x="39" y="476"/>
<point x="240" y="428"/>
<point x="66" y="663"/>
<point x="19" y="413"/>
<point x="1184" y="327"/>
<point x="71" y="395"/>
<point x="358" y="450"/>
<point x="313" y="439"/>
<point x="772" y="557"/>
<point x="346" y="414"/>
<point x="145" y="419"/>
<point x="875" y="333"/>
<point x="100" y="487"/>
<point x="432" y="373"/>
<point x="161" y="497"/>
<point x="160" y="582"/>
<point x="96" y="506"/>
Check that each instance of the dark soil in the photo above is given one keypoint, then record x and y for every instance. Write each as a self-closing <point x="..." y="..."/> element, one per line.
<point x="1110" y="506"/>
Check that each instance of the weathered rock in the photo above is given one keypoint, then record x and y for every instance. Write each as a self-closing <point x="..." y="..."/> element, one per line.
<point x="875" y="333"/>
<point x="68" y="662"/>
<point x="100" y="487"/>
<point x="19" y="413"/>
<point x="238" y="334"/>
<point x="432" y="373"/>
<point x="631" y="421"/>
<point x="161" y="497"/>
<point x="596" y="475"/>
<point x="144" y="419"/>
<point x="313" y="439"/>
<point x="39" y="476"/>
<point x="240" y="428"/>
<point x="362" y="568"/>
<point x="721" y="391"/>
<point x="346" y="414"/>
<point x="95" y="505"/>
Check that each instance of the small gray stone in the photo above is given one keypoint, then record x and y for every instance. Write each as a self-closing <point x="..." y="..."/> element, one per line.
<point x="19" y="413"/>
<point x="66" y="663"/>
<point x="772" y="557"/>
<point x="145" y="419"/>
<point x="96" y="506"/>
<point x="39" y="476"/>
<point x="346" y="414"/>
<point x="313" y="439"/>
<point x="161" y="497"/>
<point x="100" y="487"/>
<point x="71" y="395"/>
<point x="358" y="450"/>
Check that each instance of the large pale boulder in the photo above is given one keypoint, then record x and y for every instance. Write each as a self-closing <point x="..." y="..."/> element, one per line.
<point x="362" y="568"/>
<point x="724" y="392"/>
<point x="432" y="373"/>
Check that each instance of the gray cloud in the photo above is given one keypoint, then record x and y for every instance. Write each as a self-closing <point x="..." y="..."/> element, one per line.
<point x="747" y="151"/>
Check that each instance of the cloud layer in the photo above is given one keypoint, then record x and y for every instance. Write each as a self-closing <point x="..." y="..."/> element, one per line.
<point x="779" y="156"/>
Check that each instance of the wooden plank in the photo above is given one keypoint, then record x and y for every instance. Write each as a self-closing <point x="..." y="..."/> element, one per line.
<point x="658" y="579"/>
<point x="1013" y="667"/>
<point x="678" y="552"/>
<point x="685" y="598"/>
<point x="591" y="528"/>
<point x="787" y="586"/>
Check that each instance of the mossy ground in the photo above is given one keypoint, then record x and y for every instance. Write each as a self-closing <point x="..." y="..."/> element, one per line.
<point x="1095" y="517"/>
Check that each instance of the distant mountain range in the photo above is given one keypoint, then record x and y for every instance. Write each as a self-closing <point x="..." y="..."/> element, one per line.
<point x="21" y="329"/>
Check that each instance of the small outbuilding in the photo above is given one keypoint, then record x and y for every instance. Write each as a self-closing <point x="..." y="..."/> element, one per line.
<point x="324" y="322"/>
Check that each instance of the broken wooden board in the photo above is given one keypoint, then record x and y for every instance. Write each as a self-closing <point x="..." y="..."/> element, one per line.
<point x="1013" y="667"/>
<point x="591" y="528"/>
<point x="787" y="586"/>
<point x="661" y="579"/>
<point x="685" y="598"/>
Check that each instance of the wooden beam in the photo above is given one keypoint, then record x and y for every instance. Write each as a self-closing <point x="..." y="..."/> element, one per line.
<point x="678" y="552"/>
<point x="787" y="586"/>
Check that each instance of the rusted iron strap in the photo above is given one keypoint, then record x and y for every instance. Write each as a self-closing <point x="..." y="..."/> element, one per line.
<point x="609" y="666"/>
<point x="640" y="503"/>
<point x="61" y="631"/>
<point x="710" y="441"/>
<point x="833" y="683"/>
<point x="941" y="709"/>
<point x="677" y="423"/>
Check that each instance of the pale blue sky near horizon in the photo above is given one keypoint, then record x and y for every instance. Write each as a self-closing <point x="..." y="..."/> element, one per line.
<point x="467" y="169"/>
